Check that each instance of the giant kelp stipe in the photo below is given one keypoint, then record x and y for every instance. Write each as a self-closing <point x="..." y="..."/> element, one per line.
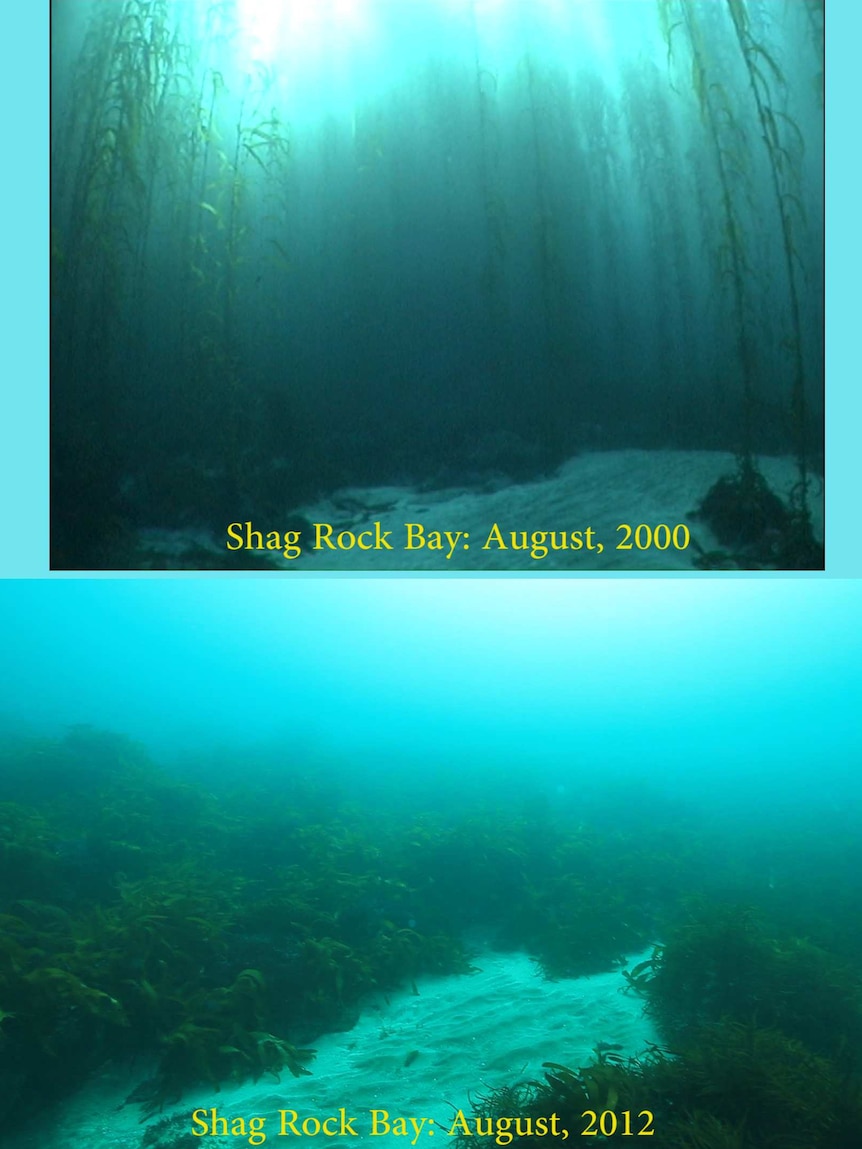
<point x="300" y="247"/>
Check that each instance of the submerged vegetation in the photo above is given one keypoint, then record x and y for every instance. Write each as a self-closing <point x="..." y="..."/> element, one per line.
<point x="745" y="515"/>
<point x="762" y="1046"/>
<point x="507" y="241"/>
<point x="215" y="935"/>
<point x="731" y="1085"/>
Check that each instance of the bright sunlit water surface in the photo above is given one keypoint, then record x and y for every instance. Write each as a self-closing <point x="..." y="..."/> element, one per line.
<point x="709" y="688"/>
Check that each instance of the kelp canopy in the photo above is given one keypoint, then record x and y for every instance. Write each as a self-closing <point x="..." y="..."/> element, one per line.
<point x="298" y="247"/>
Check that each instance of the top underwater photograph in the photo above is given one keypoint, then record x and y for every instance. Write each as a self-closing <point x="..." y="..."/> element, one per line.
<point x="462" y="285"/>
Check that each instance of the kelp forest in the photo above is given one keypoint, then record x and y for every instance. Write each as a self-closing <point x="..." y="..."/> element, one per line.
<point x="298" y="247"/>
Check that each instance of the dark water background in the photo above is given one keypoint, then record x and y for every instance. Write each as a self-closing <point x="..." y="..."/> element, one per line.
<point x="298" y="248"/>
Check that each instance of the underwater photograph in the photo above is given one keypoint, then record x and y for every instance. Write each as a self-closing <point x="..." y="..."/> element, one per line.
<point x="437" y="285"/>
<point x="498" y="862"/>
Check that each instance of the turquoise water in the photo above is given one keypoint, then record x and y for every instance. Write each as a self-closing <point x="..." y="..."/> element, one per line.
<point x="699" y="685"/>
<point x="243" y="821"/>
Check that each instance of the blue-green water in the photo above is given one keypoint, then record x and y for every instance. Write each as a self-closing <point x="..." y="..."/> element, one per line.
<point x="303" y="247"/>
<point x="237" y="817"/>
<point x="720" y="684"/>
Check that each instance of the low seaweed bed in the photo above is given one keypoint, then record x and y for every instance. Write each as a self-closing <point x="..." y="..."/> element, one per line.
<point x="145" y="919"/>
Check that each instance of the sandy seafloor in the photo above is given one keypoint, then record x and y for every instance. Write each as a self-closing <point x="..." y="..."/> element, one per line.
<point x="601" y="490"/>
<point x="490" y="1028"/>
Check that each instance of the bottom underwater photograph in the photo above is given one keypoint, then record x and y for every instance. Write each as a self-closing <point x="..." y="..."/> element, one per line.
<point x="353" y="862"/>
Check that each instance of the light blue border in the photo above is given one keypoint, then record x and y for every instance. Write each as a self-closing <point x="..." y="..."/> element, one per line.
<point x="24" y="91"/>
<point x="24" y="293"/>
<point x="843" y="292"/>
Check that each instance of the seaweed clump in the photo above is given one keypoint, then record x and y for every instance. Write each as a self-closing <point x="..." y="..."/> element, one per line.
<point x="761" y="1048"/>
<point x="728" y="1085"/>
<point x="755" y="527"/>
<point x="221" y="1039"/>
